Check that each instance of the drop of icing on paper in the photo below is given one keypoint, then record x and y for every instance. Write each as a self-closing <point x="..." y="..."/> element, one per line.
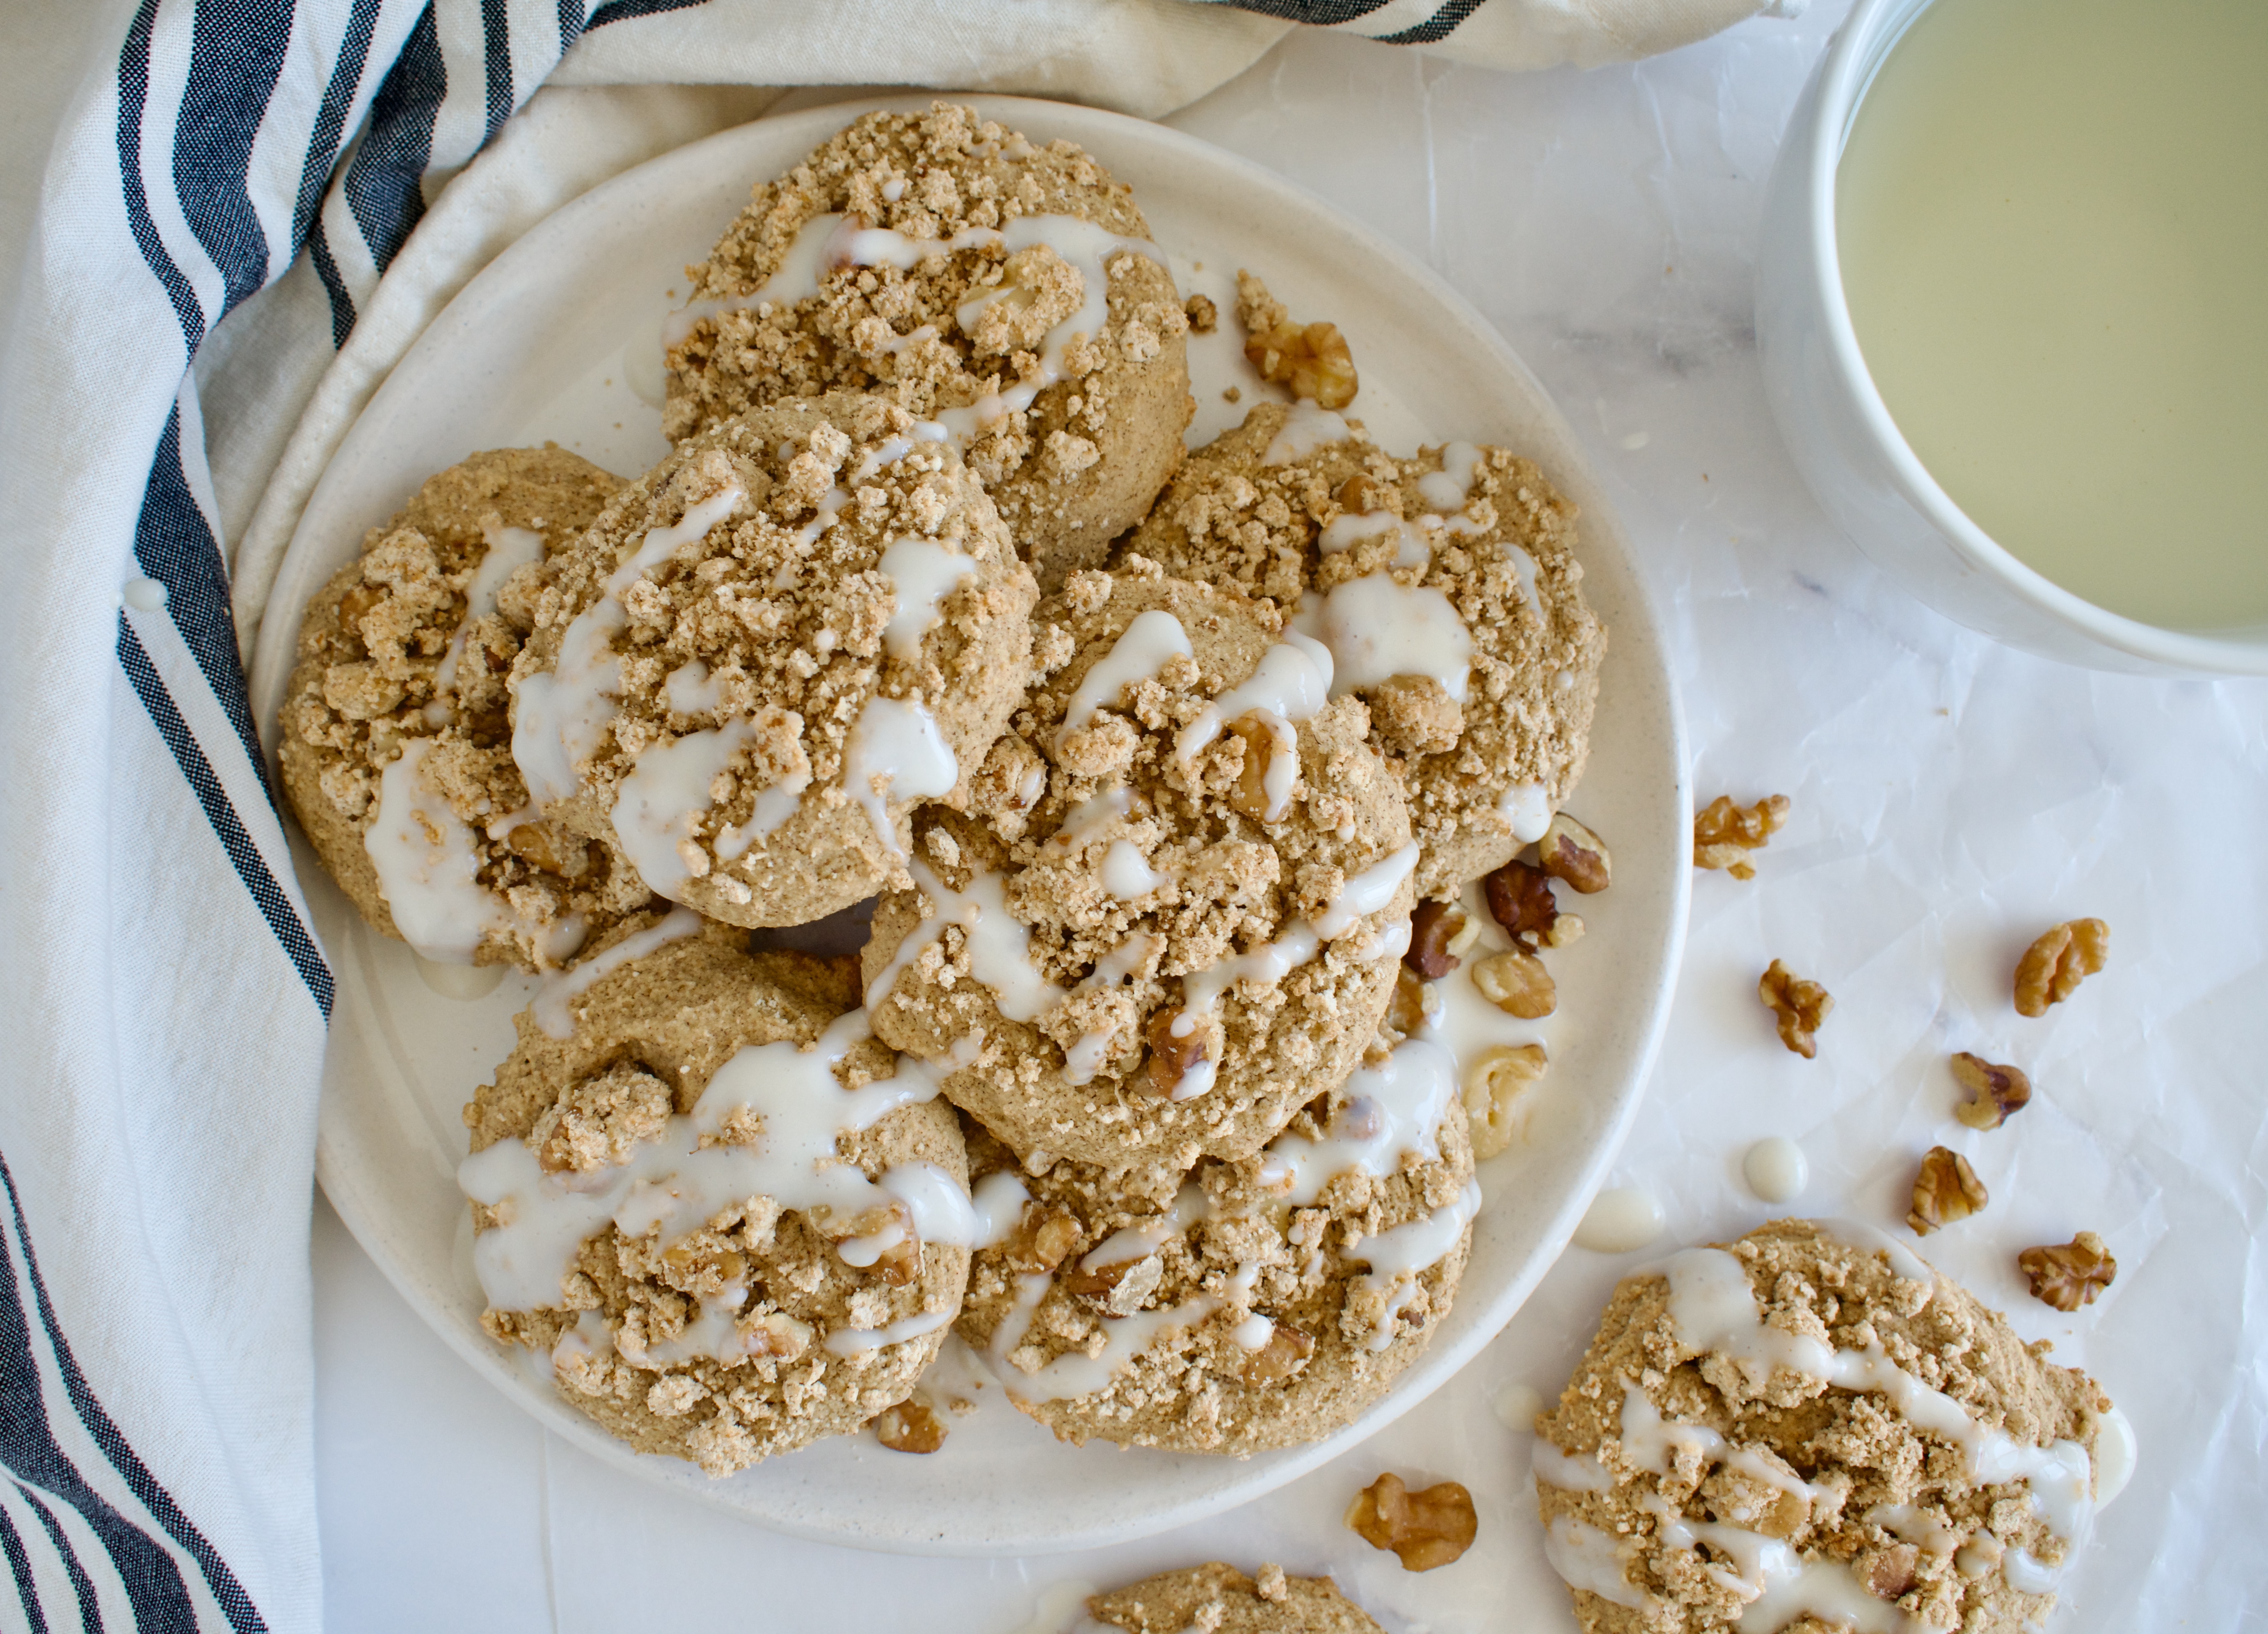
<point x="463" y="982"/>
<point x="1619" y="1220"/>
<point x="1776" y="1169"/>
<point x="2116" y="1454"/>
<point x="1516" y="1406"/>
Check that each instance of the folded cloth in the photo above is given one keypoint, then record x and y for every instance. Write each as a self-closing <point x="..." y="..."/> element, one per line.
<point x="234" y="241"/>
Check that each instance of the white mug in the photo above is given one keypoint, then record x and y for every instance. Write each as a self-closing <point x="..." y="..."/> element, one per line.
<point x="1851" y="452"/>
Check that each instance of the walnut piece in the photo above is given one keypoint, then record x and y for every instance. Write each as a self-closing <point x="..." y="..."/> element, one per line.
<point x="1800" y="1004"/>
<point x="1312" y="360"/>
<point x="1285" y="1354"/>
<point x="1171" y="1058"/>
<point x="1570" y="851"/>
<point x="1426" y="1529"/>
<point x="1724" y="833"/>
<point x="1945" y="1190"/>
<point x="1043" y="1239"/>
<point x="1413" y="1000"/>
<point x="1516" y="982"/>
<point x="2071" y="1276"/>
<point x="911" y="1426"/>
<point x="1889" y="1572"/>
<point x="1493" y="1085"/>
<point x="1994" y="1091"/>
<point x="2053" y="967"/>
<point x="1520" y="899"/>
<point x="1432" y="927"/>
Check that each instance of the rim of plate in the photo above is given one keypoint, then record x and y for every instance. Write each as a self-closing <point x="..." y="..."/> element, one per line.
<point x="1215" y="1484"/>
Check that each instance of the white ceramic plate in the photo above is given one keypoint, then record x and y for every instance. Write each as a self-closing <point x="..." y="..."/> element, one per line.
<point x="534" y="348"/>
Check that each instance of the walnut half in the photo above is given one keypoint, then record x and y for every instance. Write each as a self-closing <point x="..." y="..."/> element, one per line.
<point x="1426" y="1529"/>
<point x="1493" y="1086"/>
<point x="1570" y="851"/>
<point x="1994" y="1091"/>
<point x="2053" y="967"/>
<point x="1945" y="1190"/>
<point x="909" y="1427"/>
<point x="1432" y="927"/>
<point x="1723" y="833"/>
<point x="2071" y="1276"/>
<point x="1520" y="899"/>
<point x="1800" y="1005"/>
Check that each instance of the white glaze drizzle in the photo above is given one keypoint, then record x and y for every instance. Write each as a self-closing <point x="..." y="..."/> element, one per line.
<point x="895" y="751"/>
<point x="999" y="944"/>
<point x="1714" y="1308"/>
<point x="1396" y="1257"/>
<point x="509" y="549"/>
<point x="559" y="718"/>
<point x="1306" y="429"/>
<point x="1138" y="655"/>
<point x="553" y="1006"/>
<point x="1527" y="806"/>
<point x="428" y="864"/>
<point x="922" y="573"/>
<point x="1389" y="1111"/>
<point x="659" y="806"/>
<point x="1377" y="629"/>
<point x="674" y="1184"/>
<point x="1292" y="683"/>
<point x="1367" y="893"/>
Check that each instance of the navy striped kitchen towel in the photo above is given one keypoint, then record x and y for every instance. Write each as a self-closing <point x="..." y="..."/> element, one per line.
<point x="220" y="211"/>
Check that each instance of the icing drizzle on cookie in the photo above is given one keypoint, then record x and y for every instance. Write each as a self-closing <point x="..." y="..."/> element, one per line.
<point x="702" y="1166"/>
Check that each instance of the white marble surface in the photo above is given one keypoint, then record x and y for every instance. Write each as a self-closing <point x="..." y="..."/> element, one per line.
<point x="1951" y="798"/>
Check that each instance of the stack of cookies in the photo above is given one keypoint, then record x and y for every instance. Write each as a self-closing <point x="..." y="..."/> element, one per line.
<point x="1132" y="767"/>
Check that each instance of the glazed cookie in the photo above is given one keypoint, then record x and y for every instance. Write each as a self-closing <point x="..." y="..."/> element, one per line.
<point x="1267" y="1305"/>
<point x="396" y="746"/>
<point x="1224" y="1600"/>
<point x="766" y="651"/>
<point x="1172" y="915"/>
<point x="1006" y="292"/>
<point x="660" y="1203"/>
<point x="1446" y="587"/>
<point x="1810" y="1425"/>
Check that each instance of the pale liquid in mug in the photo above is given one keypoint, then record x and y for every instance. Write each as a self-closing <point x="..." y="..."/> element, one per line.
<point x="2053" y="223"/>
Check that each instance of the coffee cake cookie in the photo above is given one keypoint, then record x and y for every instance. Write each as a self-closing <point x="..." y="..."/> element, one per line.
<point x="1172" y="916"/>
<point x="1812" y="1429"/>
<point x="1446" y="587"/>
<point x="1223" y="1600"/>
<point x="766" y="651"/>
<point x="1005" y="291"/>
<point x="395" y="745"/>
<point x="734" y="1221"/>
<point x="1266" y="1303"/>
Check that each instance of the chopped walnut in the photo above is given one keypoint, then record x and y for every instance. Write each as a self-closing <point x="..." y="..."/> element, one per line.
<point x="1724" y="833"/>
<point x="1570" y="851"/>
<point x="1312" y="360"/>
<point x="1520" y="899"/>
<point x="1432" y="927"/>
<point x="1042" y="1239"/>
<point x="1173" y="1058"/>
<point x="1516" y="982"/>
<point x="2053" y="967"/>
<point x="1426" y="1529"/>
<point x="1204" y="316"/>
<point x="1412" y="1001"/>
<point x="1285" y="1354"/>
<point x="1800" y="1004"/>
<point x="1493" y="1085"/>
<point x="2071" y="1276"/>
<point x="909" y="1427"/>
<point x="1945" y="1190"/>
<point x="1889" y="1572"/>
<point x="1994" y="1091"/>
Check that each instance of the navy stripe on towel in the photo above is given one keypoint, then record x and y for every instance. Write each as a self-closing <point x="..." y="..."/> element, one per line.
<point x="235" y="1604"/>
<point x="274" y="907"/>
<point x="173" y="544"/>
<point x="236" y="52"/>
<point x="28" y="1447"/>
<point x="19" y="1566"/>
<point x="133" y="91"/>
<point x="90" y="1606"/>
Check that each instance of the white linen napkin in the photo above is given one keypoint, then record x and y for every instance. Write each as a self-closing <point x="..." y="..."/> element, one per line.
<point x="249" y="216"/>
